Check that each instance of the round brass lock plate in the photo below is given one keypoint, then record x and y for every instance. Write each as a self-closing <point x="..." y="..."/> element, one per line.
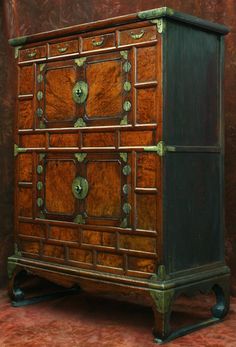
<point x="80" y="92"/>
<point x="80" y="187"/>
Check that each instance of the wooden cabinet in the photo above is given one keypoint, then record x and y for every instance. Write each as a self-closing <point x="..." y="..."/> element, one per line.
<point x="119" y="160"/>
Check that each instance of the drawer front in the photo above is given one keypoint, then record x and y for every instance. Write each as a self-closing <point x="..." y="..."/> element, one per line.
<point x="33" y="53"/>
<point x="66" y="47"/>
<point x="98" y="42"/>
<point x="134" y="36"/>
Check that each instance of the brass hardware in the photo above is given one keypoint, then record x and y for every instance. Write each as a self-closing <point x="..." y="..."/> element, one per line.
<point x="124" y="157"/>
<point x="124" y="54"/>
<point x="39" y="112"/>
<point x="124" y="120"/>
<point x="158" y="12"/>
<point x="80" y="123"/>
<point x="39" y="169"/>
<point x="17" y="51"/>
<point x="98" y="43"/>
<point x="39" y="185"/>
<point x="126" y="170"/>
<point x="126" y="189"/>
<point x="127" y="66"/>
<point x="80" y="61"/>
<point x="39" y="202"/>
<point x="62" y="49"/>
<point x="31" y="54"/>
<point x="162" y="299"/>
<point x="39" y="95"/>
<point x="80" y="156"/>
<point x="40" y="78"/>
<point x="124" y="223"/>
<point x="41" y="215"/>
<point x="160" y="24"/>
<point x="127" y="86"/>
<point x="80" y="187"/>
<point x="18" y="150"/>
<point x="41" y="67"/>
<point x="126" y="208"/>
<point x="137" y="36"/>
<point x="160" y="148"/>
<point x="127" y="106"/>
<point x="42" y="156"/>
<point x="79" y="219"/>
<point x="80" y="92"/>
<point x="42" y="125"/>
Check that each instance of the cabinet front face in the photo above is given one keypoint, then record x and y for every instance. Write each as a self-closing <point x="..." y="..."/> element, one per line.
<point x="88" y="195"/>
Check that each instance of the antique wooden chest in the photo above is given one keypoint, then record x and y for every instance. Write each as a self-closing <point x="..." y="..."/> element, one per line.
<point x="119" y="160"/>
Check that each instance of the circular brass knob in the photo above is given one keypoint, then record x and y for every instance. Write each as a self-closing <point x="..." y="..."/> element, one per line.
<point x="80" y="187"/>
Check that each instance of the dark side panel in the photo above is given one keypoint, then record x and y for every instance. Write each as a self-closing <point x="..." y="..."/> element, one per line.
<point x="192" y="89"/>
<point x="192" y="210"/>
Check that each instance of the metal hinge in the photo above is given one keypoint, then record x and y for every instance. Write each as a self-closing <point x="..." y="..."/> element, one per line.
<point x="160" y="148"/>
<point x="18" y="150"/>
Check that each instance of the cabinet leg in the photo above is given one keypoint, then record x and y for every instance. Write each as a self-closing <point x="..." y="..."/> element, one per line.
<point x="14" y="290"/>
<point x="222" y="293"/>
<point x="162" y="305"/>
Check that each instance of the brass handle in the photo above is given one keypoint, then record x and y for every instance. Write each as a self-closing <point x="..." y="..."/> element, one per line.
<point x="137" y="36"/>
<point x="80" y="188"/>
<point x="62" y="49"/>
<point x="80" y="92"/>
<point x="98" y="43"/>
<point x="31" y="54"/>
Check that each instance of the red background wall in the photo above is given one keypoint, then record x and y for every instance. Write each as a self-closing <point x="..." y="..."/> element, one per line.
<point x="24" y="17"/>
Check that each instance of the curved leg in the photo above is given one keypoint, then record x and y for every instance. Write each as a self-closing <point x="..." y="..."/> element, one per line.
<point x="222" y="293"/>
<point x="162" y="304"/>
<point x="14" y="290"/>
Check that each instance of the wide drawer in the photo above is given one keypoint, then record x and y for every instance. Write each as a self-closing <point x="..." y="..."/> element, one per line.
<point x="66" y="47"/>
<point x="137" y="35"/>
<point x="33" y="53"/>
<point x="98" y="42"/>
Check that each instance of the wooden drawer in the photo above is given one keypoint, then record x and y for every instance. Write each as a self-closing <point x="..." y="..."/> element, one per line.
<point x="33" y="53"/>
<point x="66" y="47"/>
<point x="98" y="42"/>
<point x="133" y="36"/>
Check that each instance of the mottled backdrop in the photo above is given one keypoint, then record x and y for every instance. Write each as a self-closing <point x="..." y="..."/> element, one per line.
<point x="23" y="17"/>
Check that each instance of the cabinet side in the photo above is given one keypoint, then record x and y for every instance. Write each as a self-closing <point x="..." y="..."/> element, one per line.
<point x="193" y="124"/>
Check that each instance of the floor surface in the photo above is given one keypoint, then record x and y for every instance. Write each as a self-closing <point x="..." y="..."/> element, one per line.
<point x="83" y="320"/>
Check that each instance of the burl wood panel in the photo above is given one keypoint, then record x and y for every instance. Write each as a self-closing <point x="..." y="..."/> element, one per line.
<point x="59" y="102"/>
<point x="147" y="170"/>
<point x="26" y="79"/>
<point x="146" y="105"/>
<point x="25" y="167"/>
<point x="80" y="255"/>
<point x="146" y="64"/>
<point x="64" y="234"/>
<point x="105" y="84"/>
<point x="146" y="211"/>
<point x="59" y="175"/>
<point x="64" y="140"/>
<point x="104" y="197"/>
<point x="25" y="202"/>
<point x="30" y="229"/>
<point x="25" y="114"/>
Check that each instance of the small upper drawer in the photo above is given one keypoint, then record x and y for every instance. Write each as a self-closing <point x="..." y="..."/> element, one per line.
<point x="66" y="47"/>
<point x="33" y="53"/>
<point x="98" y="42"/>
<point x="133" y="36"/>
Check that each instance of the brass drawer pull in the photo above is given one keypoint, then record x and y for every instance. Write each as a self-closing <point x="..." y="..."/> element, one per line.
<point x="98" y="43"/>
<point x="137" y="36"/>
<point x="31" y="54"/>
<point x="62" y="49"/>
